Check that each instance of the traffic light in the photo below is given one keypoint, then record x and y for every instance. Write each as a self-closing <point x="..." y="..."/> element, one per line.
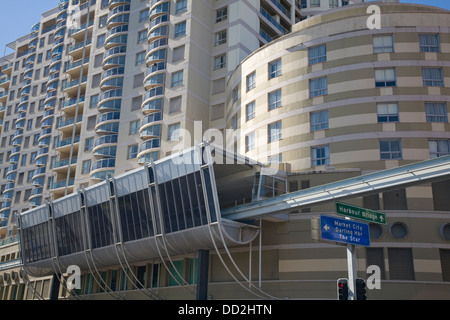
<point x="361" y="289"/>
<point x="342" y="285"/>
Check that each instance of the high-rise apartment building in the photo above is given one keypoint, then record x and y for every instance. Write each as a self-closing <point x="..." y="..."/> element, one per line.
<point x="99" y="87"/>
<point x="104" y="89"/>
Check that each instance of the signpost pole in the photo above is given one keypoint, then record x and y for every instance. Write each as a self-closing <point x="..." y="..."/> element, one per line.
<point x="351" y="264"/>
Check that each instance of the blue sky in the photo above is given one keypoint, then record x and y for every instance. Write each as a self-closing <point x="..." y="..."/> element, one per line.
<point x="21" y="15"/>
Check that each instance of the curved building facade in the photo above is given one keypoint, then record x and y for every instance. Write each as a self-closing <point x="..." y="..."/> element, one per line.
<point x="325" y="100"/>
<point x="334" y="100"/>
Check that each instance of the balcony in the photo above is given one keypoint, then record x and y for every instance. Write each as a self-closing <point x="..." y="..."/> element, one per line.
<point x="4" y="83"/>
<point x="76" y="51"/>
<point x="71" y="88"/>
<point x="74" y="68"/>
<point x="150" y="132"/>
<point x="282" y="30"/>
<point x="64" y="163"/>
<point x="103" y="165"/>
<point x="107" y="118"/>
<point x="110" y="151"/>
<point x="69" y="107"/>
<point x="39" y="172"/>
<point x="149" y="146"/>
<point x="116" y="12"/>
<point x="67" y="142"/>
<point x="67" y="125"/>
<point x="105" y="141"/>
<point x="115" y="3"/>
<point x="78" y="33"/>
<point x="102" y="175"/>
<point x="62" y="184"/>
<point x="38" y="181"/>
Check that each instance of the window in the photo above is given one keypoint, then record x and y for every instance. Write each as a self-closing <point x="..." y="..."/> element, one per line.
<point x="140" y="58"/>
<point x="385" y="78"/>
<point x="136" y="103"/>
<point x="91" y="121"/>
<point x="33" y="157"/>
<point x="178" y="54"/>
<point x="318" y="87"/>
<point x="432" y="77"/>
<point x="436" y="112"/>
<point x="320" y="156"/>
<point x="174" y="132"/>
<point x="93" y="101"/>
<point x="275" y="69"/>
<point x="234" y="122"/>
<point x="132" y="151"/>
<point x="250" y="142"/>
<point x="36" y="139"/>
<point x="177" y="78"/>
<point x="445" y="261"/>
<point x="220" y="38"/>
<point x="134" y="127"/>
<point x="142" y="36"/>
<point x="401" y="265"/>
<point x="30" y="175"/>
<point x="315" y="3"/>
<point x="390" y="149"/>
<point x="388" y="112"/>
<point x="220" y="62"/>
<point x="217" y="111"/>
<point x="275" y="99"/>
<point x="221" y="14"/>
<point x="235" y="94"/>
<point x="251" y="81"/>
<point x="275" y="159"/>
<point x="88" y="144"/>
<point x="175" y="104"/>
<point x="439" y="148"/>
<point x="24" y="160"/>
<point x="274" y="130"/>
<point x="317" y="54"/>
<point x="100" y="40"/>
<point x="250" y="111"/>
<point x="143" y="15"/>
<point x="334" y="3"/>
<point x="429" y="43"/>
<point x="383" y="44"/>
<point x="180" y="29"/>
<point x="181" y="6"/>
<point x="102" y="21"/>
<point x="319" y="120"/>
<point x="86" y="167"/>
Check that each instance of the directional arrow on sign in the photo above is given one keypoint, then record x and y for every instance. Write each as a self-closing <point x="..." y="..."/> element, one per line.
<point x="355" y="212"/>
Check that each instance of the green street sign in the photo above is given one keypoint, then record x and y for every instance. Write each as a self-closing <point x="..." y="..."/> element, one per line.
<point x="351" y="211"/>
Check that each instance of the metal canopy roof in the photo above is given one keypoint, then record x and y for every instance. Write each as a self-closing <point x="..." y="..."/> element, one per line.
<point x="420" y="172"/>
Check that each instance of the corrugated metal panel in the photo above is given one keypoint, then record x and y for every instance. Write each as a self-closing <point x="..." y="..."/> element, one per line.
<point x="66" y="205"/>
<point x="34" y="217"/>
<point x="133" y="182"/>
<point x="98" y="194"/>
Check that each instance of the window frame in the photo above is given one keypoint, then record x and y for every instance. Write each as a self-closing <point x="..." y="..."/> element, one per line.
<point x="320" y="161"/>
<point x="390" y="152"/>
<point x="384" y="83"/>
